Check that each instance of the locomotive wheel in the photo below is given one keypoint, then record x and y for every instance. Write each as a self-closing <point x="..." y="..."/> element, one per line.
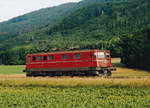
<point x="107" y="73"/>
<point x="32" y="75"/>
<point x="98" y="73"/>
<point x="28" y="75"/>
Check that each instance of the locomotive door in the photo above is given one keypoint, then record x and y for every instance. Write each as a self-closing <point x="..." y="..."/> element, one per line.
<point x="77" y="57"/>
<point x="28" y="61"/>
<point x="39" y="63"/>
<point x="101" y="59"/>
<point x="91" y="60"/>
<point x="96" y="59"/>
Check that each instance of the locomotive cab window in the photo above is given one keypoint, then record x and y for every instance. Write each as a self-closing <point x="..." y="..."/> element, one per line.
<point x="45" y="58"/>
<point x="100" y="55"/>
<point x="50" y="57"/>
<point x="77" y="56"/>
<point x="64" y="56"/>
<point x="107" y="55"/>
<point x="39" y="58"/>
<point x="33" y="58"/>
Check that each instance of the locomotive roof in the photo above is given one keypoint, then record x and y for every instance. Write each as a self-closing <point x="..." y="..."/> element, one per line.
<point x="71" y="51"/>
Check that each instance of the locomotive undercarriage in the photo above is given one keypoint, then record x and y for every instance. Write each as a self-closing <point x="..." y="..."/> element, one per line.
<point x="77" y="72"/>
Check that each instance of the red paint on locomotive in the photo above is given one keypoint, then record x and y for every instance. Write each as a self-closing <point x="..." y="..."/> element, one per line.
<point x="69" y="61"/>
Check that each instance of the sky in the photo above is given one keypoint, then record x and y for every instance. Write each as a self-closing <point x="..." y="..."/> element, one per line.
<point x="13" y="8"/>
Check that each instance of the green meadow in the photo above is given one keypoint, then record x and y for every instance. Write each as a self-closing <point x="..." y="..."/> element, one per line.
<point x="74" y="97"/>
<point x="9" y="70"/>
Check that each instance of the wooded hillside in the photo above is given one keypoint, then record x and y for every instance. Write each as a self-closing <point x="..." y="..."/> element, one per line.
<point x="93" y="25"/>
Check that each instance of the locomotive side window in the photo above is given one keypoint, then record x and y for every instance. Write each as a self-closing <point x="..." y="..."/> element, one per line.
<point x="50" y="57"/>
<point x="64" y="56"/>
<point x="45" y="58"/>
<point x="90" y="55"/>
<point x="77" y="56"/>
<point x="33" y="58"/>
<point x="39" y="58"/>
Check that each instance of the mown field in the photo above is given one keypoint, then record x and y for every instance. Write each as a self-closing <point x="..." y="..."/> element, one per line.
<point x="126" y="88"/>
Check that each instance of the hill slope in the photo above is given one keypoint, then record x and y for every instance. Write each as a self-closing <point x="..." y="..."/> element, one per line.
<point x="88" y="27"/>
<point x="45" y="16"/>
<point x="38" y="18"/>
<point x="107" y="19"/>
<point x="24" y="29"/>
<point x="97" y="22"/>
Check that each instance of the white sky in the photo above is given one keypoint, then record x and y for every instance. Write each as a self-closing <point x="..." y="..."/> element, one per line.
<point x="13" y="8"/>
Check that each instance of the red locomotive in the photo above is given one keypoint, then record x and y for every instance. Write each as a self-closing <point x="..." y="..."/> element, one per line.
<point x="83" y="62"/>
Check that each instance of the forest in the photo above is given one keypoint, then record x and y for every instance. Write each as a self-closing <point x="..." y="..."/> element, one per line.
<point x="121" y="26"/>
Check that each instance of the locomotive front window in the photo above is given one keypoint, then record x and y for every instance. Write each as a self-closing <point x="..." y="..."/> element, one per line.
<point x="77" y="56"/>
<point x="100" y="55"/>
<point x="45" y="58"/>
<point x="64" y="56"/>
<point x="39" y="58"/>
<point x="107" y="55"/>
<point x="33" y="58"/>
<point x="51" y="57"/>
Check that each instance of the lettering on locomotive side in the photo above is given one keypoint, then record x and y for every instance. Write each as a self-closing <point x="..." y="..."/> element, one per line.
<point x="83" y="62"/>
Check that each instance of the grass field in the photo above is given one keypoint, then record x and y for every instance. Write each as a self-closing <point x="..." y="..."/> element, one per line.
<point x="75" y="97"/>
<point x="126" y="88"/>
<point x="9" y="70"/>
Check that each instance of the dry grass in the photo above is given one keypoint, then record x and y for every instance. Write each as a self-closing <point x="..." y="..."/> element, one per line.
<point x="126" y="72"/>
<point x="3" y="76"/>
<point x="115" y="60"/>
<point x="75" y="82"/>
